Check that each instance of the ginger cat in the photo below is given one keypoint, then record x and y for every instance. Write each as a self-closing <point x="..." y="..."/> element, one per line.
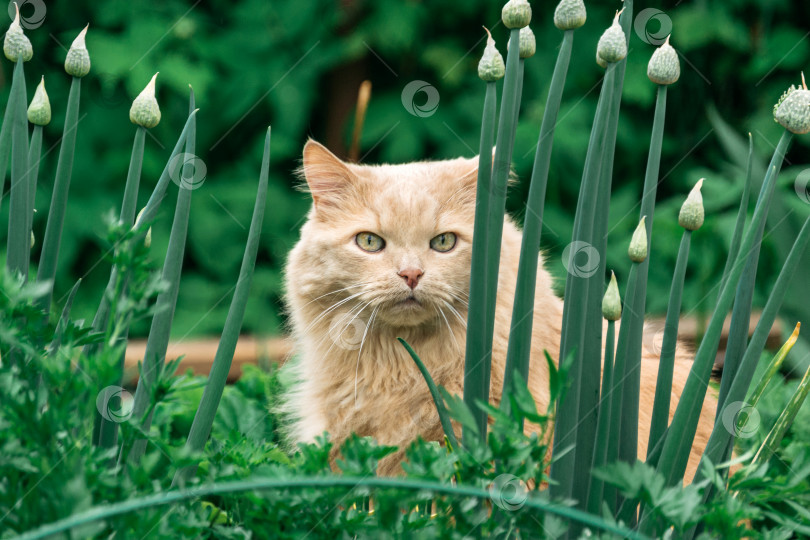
<point x="385" y="253"/>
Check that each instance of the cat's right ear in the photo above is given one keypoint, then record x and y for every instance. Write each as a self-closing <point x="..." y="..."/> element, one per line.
<point x="326" y="175"/>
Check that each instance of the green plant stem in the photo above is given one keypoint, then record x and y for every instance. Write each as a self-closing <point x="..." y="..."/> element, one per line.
<point x="595" y="496"/>
<point x="592" y="337"/>
<point x="504" y="145"/>
<point x="572" y="481"/>
<point x="153" y="204"/>
<point x="129" y="205"/>
<point x="158" y="341"/>
<point x="676" y="450"/>
<point x="521" y="67"/>
<point x="34" y="156"/>
<point x="105" y="431"/>
<point x="633" y="317"/>
<point x="721" y="438"/>
<point x="56" y="215"/>
<point x="108" y="511"/>
<point x="101" y="319"/>
<point x="579" y="404"/>
<point x="5" y="141"/>
<point x="743" y="301"/>
<point x="618" y="388"/>
<point x="562" y="470"/>
<point x="444" y="418"/>
<point x="742" y="213"/>
<point x="19" y="237"/>
<point x="476" y="342"/>
<point x="520" y="335"/>
<point x="204" y="417"/>
<point x="666" y="363"/>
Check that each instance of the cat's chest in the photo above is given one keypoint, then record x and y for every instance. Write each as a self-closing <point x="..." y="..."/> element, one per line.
<point x="381" y="388"/>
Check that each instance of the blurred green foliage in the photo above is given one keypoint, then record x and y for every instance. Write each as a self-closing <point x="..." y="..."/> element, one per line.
<point x="297" y="65"/>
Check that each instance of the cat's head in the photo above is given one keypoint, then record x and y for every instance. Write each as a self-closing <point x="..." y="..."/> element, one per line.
<point x="397" y="236"/>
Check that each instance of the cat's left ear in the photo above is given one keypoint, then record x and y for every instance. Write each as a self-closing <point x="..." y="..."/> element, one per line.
<point x="468" y="168"/>
<point x="326" y="175"/>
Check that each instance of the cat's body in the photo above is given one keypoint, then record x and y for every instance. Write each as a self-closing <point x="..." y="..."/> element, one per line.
<point x="353" y="376"/>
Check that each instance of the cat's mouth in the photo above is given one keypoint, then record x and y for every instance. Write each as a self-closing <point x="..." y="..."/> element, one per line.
<point x="410" y="301"/>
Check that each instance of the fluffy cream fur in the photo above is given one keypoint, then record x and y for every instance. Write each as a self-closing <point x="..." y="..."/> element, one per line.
<point x="348" y="306"/>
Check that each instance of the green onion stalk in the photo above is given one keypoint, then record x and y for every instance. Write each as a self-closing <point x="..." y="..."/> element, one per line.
<point x="612" y="312"/>
<point x="572" y="481"/>
<point x="145" y="114"/>
<point x="19" y="238"/>
<point x="16" y="47"/>
<point x="793" y="113"/>
<point x="149" y="211"/>
<point x="614" y="43"/>
<point x="721" y="439"/>
<point x="528" y="46"/>
<point x="691" y="219"/>
<point x="106" y="511"/>
<point x="206" y="411"/>
<point x="637" y="252"/>
<point x="675" y="452"/>
<point x="663" y="69"/>
<point x="569" y="15"/>
<point x="77" y="65"/>
<point x="742" y="214"/>
<point x="743" y="302"/>
<point x="158" y="341"/>
<point x="516" y="14"/>
<point x="444" y="417"/>
<point x="490" y="69"/>
<point x="39" y="114"/>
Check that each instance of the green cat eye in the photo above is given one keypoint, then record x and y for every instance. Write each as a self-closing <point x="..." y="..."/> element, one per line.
<point x="443" y="242"/>
<point x="369" y="242"/>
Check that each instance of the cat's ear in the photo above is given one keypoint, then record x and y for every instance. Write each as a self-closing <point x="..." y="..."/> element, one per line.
<point x="465" y="173"/>
<point x="326" y="175"/>
<point x="468" y="168"/>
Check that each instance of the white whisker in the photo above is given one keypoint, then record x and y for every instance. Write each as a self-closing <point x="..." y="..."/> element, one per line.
<point x="449" y="329"/>
<point x="455" y="312"/>
<point x="360" y="352"/>
<point x="339" y="290"/>
<point x="459" y="300"/>
<point x="330" y="309"/>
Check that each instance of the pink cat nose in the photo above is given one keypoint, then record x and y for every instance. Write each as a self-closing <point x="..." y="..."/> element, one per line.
<point x="411" y="276"/>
